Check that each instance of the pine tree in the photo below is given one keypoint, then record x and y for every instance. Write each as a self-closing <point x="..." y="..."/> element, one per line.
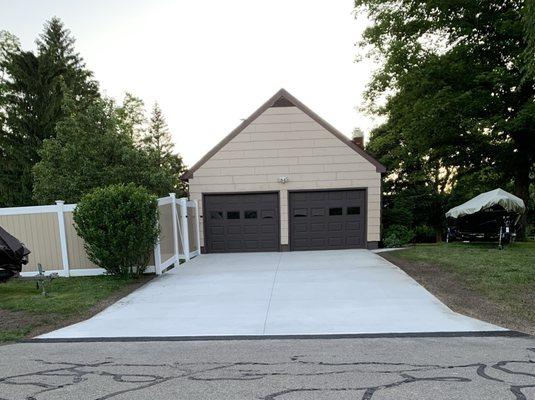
<point x="158" y="143"/>
<point x="56" y="45"/>
<point x="131" y="118"/>
<point x="33" y="92"/>
<point x="158" y="137"/>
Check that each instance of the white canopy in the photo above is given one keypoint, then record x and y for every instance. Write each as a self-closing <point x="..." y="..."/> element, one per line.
<point x="485" y="200"/>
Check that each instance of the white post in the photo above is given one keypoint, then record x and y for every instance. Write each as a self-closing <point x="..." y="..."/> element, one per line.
<point x="197" y="227"/>
<point x="63" y="238"/>
<point x="175" y="228"/>
<point x="157" y="258"/>
<point x="184" y="223"/>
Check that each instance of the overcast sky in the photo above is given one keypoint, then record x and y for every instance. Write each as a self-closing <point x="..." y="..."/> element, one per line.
<point x="212" y="63"/>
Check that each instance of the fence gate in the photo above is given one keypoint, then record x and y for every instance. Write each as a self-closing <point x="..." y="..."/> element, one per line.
<point x="179" y="232"/>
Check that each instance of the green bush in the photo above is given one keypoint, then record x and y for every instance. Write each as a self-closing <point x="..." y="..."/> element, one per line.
<point x="119" y="226"/>
<point x="424" y="234"/>
<point x="397" y="236"/>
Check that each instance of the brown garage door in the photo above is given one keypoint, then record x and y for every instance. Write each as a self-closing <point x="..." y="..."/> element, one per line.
<point x="241" y="222"/>
<point x="322" y="220"/>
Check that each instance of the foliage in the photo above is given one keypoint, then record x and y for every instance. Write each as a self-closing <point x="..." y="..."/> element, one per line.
<point x="131" y="118"/>
<point x="158" y="143"/>
<point x="33" y="92"/>
<point x="59" y="138"/>
<point x="529" y="27"/>
<point x="119" y="226"/>
<point x="88" y="152"/>
<point x="458" y="104"/>
<point x="397" y="236"/>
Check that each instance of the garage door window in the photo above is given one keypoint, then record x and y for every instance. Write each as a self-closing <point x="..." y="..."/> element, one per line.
<point x="266" y="214"/>
<point x="353" y="210"/>
<point x="300" y="212"/>
<point x="216" y="214"/>
<point x="318" y="212"/>
<point x="250" y="214"/>
<point x="233" y="215"/>
<point x="335" y="211"/>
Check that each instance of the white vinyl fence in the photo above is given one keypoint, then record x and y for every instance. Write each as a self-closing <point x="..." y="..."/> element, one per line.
<point x="49" y="233"/>
<point x="179" y="232"/>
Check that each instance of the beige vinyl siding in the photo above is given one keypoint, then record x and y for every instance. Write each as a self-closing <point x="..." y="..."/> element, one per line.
<point x="192" y="229"/>
<point x="40" y="234"/>
<point x="285" y="141"/>
<point x="75" y="245"/>
<point x="167" y="245"/>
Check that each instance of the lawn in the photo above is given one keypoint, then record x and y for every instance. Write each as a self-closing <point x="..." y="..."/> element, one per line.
<point x="477" y="279"/>
<point x="25" y="312"/>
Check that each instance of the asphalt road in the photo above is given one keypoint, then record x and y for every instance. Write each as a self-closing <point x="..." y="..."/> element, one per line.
<point x="320" y="369"/>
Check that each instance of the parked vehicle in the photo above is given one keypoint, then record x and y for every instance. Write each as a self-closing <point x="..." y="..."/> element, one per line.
<point x="13" y="255"/>
<point x="490" y="216"/>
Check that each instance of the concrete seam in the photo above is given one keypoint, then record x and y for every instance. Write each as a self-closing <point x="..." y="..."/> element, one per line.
<point x="271" y="294"/>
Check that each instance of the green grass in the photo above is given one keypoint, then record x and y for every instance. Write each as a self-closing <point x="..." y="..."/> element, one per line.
<point x="506" y="277"/>
<point x="67" y="298"/>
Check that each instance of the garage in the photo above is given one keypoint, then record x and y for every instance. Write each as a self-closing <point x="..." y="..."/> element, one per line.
<point x="322" y="189"/>
<point x="241" y="222"/>
<point x="327" y="219"/>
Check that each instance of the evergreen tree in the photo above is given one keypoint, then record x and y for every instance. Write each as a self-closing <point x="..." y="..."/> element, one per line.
<point x="131" y="118"/>
<point x="158" y="137"/>
<point x="158" y="143"/>
<point x="34" y="89"/>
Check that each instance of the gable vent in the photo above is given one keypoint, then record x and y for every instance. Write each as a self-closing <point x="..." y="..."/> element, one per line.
<point x="283" y="102"/>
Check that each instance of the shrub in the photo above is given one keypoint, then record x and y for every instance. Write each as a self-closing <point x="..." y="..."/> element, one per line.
<point x="397" y="236"/>
<point x="424" y="234"/>
<point x="119" y="226"/>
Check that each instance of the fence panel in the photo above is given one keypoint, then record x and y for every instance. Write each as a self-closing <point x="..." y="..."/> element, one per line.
<point x="49" y="232"/>
<point x="40" y="233"/>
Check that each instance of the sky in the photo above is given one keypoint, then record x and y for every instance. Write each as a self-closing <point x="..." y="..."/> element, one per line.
<point x="210" y="64"/>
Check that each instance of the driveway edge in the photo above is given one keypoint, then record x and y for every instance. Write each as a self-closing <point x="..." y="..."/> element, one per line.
<point x="499" y="333"/>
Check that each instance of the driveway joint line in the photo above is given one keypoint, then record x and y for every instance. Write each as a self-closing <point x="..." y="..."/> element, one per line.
<point x="271" y="293"/>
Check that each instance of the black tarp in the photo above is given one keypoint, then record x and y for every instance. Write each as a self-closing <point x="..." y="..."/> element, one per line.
<point x="13" y="253"/>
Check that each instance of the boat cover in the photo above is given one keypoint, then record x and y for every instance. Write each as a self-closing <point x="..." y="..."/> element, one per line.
<point x="508" y="201"/>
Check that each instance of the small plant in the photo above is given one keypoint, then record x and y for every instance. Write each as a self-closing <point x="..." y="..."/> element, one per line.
<point x="119" y="226"/>
<point x="397" y="236"/>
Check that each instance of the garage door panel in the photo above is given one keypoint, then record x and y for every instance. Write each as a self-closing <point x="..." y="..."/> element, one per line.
<point x="317" y="242"/>
<point x="327" y="219"/>
<point x="238" y="222"/>
<point x="336" y="241"/>
<point x="335" y="227"/>
<point x="317" y="227"/>
<point x="268" y="229"/>
<point x="217" y="230"/>
<point x="251" y="230"/>
<point x="300" y="227"/>
<point x="231" y="230"/>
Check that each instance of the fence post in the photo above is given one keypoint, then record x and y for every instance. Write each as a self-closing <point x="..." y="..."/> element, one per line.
<point x="63" y="237"/>
<point x="157" y="258"/>
<point x="175" y="228"/>
<point x="197" y="227"/>
<point x="184" y="223"/>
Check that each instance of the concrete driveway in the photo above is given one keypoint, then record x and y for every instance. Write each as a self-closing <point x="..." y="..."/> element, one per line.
<point x="315" y="292"/>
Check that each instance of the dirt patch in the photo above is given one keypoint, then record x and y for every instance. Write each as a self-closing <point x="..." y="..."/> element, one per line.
<point x="450" y="288"/>
<point x="37" y="324"/>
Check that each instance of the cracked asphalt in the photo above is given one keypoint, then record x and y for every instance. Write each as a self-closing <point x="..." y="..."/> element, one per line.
<point x="320" y="369"/>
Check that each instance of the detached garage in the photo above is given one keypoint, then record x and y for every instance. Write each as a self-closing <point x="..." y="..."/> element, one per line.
<point x="285" y="179"/>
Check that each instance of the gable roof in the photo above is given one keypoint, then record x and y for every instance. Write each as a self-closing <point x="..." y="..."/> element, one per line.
<point x="282" y="99"/>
